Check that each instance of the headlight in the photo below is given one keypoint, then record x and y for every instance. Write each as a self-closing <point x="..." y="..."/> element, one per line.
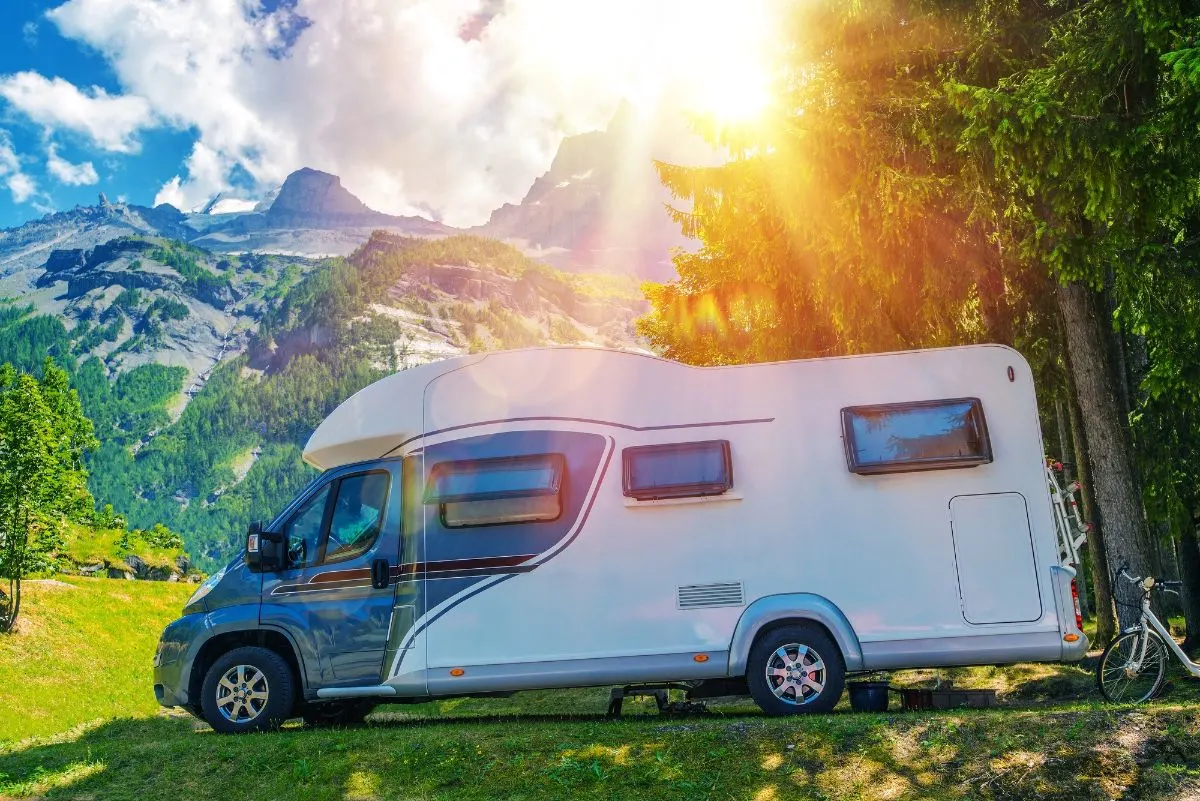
<point x="207" y="587"/>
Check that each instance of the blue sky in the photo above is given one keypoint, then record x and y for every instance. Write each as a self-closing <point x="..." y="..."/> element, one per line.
<point x="445" y="108"/>
<point x="29" y="41"/>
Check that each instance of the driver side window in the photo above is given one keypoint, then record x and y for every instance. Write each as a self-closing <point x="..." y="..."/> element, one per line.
<point x="303" y="531"/>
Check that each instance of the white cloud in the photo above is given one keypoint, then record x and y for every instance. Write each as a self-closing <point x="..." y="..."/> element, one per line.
<point x="29" y="32"/>
<point x="20" y="185"/>
<point x="70" y="174"/>
<point x="449" y="105"/>
<point x="109" y="121"/>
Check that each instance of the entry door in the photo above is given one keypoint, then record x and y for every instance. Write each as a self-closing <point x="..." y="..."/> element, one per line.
<point x="325" y="598"/>
<point x="993" y="548"/>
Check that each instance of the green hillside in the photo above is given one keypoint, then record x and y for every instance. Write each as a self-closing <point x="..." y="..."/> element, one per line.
<point x="82" y="653"/>
<point x="78" y="720"/>
<point x="322" y="331"/>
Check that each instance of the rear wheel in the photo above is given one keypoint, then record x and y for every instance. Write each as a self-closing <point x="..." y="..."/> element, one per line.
<point x="795" y="669"/>
<point x="1126" y="674"/>
<point x="247" y="689"/>
<point x="337" y="713"/>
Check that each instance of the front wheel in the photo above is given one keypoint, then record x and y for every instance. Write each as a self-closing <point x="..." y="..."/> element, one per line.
<point x="795" y="669"/>
<point x="247" y="689"/>
<point x="1125" y="674"/>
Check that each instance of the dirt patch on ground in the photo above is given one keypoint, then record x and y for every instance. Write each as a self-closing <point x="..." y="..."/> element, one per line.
<point x="51" y="583"/>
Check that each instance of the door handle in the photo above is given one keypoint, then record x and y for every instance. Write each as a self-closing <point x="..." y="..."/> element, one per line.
<point x="381" y="574"/>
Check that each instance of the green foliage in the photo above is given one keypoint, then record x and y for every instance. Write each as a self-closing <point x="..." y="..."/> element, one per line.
<point x="564" y="331"/>
<point x="43" y="437"/>
<point x="160" y="537"/>
<point x="186" y="260"/>
<point x="167" y="309"/>
<point x="26" y="339"/>
<point x="128" y="300"/>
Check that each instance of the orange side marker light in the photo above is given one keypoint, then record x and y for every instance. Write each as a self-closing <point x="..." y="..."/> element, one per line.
<point x="457" y="671"/>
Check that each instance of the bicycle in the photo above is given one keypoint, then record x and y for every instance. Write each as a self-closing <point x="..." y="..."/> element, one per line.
<point x="1134" y="665"/>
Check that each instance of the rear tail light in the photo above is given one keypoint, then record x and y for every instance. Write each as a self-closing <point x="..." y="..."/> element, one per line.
<point x="1075" y="601"/>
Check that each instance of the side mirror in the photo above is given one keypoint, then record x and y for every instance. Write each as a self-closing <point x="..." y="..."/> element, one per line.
<point x="264" y="549"/>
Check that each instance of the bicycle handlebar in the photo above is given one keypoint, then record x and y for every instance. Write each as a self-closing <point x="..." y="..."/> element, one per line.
<point x="1164" y="586"/>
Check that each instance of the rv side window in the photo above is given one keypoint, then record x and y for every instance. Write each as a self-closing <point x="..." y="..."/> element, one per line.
<point x="926" y="435"/>
<point x="488" y="492"/>
<point x="677" y="470"/>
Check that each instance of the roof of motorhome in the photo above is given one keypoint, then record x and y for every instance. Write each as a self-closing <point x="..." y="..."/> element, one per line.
<point x="629" y="389"/>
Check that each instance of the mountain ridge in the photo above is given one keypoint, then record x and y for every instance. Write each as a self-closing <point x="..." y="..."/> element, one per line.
<point x="599" y="207"/>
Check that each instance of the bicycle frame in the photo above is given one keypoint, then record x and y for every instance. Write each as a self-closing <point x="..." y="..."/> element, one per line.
<point x="1149" y="619"/>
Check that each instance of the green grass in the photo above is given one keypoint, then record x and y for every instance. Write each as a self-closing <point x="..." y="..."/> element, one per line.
<point x="1052" y="738"/>
<point x="82" y="652"/>
<point x="87" y="546"/>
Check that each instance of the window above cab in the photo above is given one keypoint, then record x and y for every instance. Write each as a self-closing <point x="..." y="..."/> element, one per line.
<point x="488" y="492"/>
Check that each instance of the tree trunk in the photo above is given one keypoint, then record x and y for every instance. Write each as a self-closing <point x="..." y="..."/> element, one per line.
<point x="1189" y="573"/>
<point x="4" y="610"/>
<point x="1106" y="624"/>
<point x="1111" y="465"/>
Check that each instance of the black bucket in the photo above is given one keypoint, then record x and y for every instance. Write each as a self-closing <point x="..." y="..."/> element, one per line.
<point x="869" y="696"/>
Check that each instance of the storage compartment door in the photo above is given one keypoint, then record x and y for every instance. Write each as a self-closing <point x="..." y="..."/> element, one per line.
<point x="993" y="548"/>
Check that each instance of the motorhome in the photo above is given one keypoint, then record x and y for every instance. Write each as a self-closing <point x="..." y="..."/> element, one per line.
<point x="580" y="517"/>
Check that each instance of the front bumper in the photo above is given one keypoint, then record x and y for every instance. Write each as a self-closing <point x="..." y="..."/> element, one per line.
<point x="171" y="664"/>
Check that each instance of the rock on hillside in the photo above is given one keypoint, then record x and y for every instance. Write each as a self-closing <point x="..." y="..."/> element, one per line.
<point x="464" y="294"/>
<point x="139" y="300"/>
<point x="25" y="249"/>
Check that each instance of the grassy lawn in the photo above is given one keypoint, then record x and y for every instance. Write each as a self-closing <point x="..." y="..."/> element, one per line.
<point x="1051" y="738"/>
<point x="82" y="652"/>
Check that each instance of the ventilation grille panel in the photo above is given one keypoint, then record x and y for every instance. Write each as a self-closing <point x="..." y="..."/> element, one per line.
<point x="701" y="596"/>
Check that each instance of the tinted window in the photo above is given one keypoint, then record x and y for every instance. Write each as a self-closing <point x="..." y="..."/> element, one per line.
<point x="483" y="492"/>
<point x="916" y="436"/>
<point x="489" y="479"/>
<point x="357" y="516"/>
<point x="303" y="530"/>
<point x="678" y="470"/>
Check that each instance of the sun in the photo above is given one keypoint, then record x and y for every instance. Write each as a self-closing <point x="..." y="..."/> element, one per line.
<point x="719" y="62"/>
<point x="737" y="94"/>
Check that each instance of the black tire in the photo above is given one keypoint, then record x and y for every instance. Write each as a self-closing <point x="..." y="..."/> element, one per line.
<point x="1122" y="687"/>
<point x="337" y="713"/>
<point x="277" y="683"/>
<point x="803" y="640"/>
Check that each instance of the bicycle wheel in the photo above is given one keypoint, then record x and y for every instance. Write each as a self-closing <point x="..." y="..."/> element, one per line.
<point x="1118" y="675"/>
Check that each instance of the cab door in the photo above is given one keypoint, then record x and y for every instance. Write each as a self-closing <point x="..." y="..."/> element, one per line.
<point x="335" y="597"/>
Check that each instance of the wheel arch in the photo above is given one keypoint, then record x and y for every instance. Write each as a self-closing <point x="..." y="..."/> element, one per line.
<point x="221" y="642"/>
<point x="774" y="611"/>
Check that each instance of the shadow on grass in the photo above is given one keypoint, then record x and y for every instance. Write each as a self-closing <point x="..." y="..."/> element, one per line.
<point x="1146" y="752"/>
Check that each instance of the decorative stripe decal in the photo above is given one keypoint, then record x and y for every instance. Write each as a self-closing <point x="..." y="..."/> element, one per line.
<point x="410" y="571"/>
<point x="609" y="423"/>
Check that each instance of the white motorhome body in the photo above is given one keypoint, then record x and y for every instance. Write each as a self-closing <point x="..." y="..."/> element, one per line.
<point x="897" y="500"/>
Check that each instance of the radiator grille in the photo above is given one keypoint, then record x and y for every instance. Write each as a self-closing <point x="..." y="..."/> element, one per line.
<point x="698" y="596"/>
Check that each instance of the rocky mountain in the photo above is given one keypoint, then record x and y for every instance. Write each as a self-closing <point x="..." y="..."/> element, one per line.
<point x="25" y="249"/>
<point x="205" y="372"/>
<point x="601" y="205"/>
<point x="206" y="347"/>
